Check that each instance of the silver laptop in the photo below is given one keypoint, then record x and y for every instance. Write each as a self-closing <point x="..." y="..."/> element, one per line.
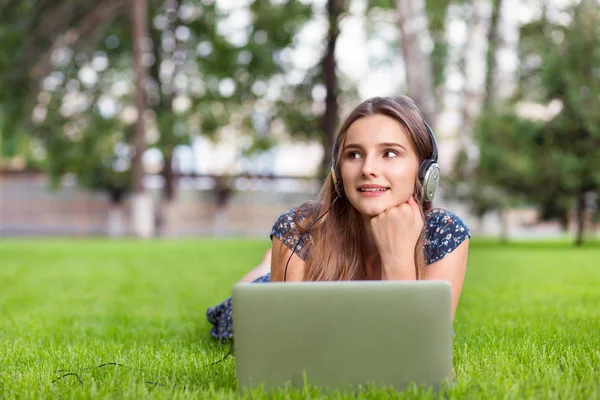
<point x="342" y="335"/>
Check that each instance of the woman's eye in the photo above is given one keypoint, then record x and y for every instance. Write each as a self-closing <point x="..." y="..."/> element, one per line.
<point x="390" y="153"/>
<point x="353" y="154"/>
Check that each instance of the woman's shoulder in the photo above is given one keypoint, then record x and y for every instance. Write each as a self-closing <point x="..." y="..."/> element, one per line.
<point x="285" y="228"/>
<point x="287" y="220"/>
<point x="284" y="223"/>
<point x="444" y="232"/>
<point x="442" y="216"/>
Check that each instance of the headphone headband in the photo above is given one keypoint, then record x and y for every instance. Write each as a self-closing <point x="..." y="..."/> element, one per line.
<point x="434" y="152"/>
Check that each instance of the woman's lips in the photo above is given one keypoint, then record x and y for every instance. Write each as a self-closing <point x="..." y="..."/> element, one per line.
<point x="372" y="190"/>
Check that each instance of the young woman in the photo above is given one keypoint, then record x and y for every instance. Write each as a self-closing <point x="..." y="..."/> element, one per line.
<point x="374" y="218"/>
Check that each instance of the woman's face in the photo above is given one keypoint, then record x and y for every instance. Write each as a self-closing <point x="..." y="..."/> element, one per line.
<point x="379" y="165"/>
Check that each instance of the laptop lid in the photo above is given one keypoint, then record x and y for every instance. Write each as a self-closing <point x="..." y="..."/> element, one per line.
<point x="342" y="334"/>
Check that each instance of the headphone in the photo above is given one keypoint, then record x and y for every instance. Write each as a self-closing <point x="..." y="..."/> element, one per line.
<point x="429" y="170"/>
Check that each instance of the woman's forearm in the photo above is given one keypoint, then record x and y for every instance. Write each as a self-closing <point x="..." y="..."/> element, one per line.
<point x="398" y="270"/>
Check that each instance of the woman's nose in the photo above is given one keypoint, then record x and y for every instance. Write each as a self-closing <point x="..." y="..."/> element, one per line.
<point x="370" y="167"/>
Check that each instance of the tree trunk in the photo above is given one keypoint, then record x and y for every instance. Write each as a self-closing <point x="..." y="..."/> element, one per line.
<point x="169" y="177"/>
<point x="165" y="209"/>
<point x="564" y="221"/>
<point x="143" y="218"/>
<point x="329" y="120"/>
<point x="490" y="94"/>
<point x="476" y="56"/>
<point x="412" y="21"/>
<point x="115" y="223"/>
<point x="503" y="226"/>
<point x="580" y="213"/>
<point x="140" y="11"/>
<point x="474" y="71"/>
<point x="220" y="222"/>
<point x="166" y="105"/>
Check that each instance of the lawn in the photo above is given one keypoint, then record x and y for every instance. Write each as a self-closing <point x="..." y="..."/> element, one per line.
<point x="527" y="326"/>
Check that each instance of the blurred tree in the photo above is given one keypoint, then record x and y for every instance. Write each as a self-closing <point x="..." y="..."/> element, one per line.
<point x="552" y="162"/>
<point x="476" y="63"/>
<point x="203" y="76"/>
<point x="428" y="58"/>
<point x="310" y="108"/>
<point x="491" y="80"/>
<point x="467" y="183"/>
<point x="142" y="210"/>
<point x="52" y="88"/>
<point x="330" y="118"/>
<point x="28" y="30"/>
<point x="412" y="21"/>
<point x="421" y="24"/>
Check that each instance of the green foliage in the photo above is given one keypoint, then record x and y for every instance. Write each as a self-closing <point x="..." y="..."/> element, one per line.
<point x="14" y="25"/>
<point x="436" y="11"/>
<point x="568" y="73"/>
<point x="93" y="149"/>
<point x="294" y="107"/>
<point x="510" y="154"/>
<point x="91" y="154"/>
<point x="549" y="162"/>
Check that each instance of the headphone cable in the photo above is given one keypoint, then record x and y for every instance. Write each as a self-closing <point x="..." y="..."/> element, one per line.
<point x="302" y="235"/>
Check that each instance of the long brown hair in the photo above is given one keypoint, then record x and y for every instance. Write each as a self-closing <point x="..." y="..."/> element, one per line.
<point x="336" y="242"/>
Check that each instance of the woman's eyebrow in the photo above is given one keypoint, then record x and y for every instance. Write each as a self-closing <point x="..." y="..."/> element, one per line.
<point x="391" y="144"/>
<point x="385" y="144"/>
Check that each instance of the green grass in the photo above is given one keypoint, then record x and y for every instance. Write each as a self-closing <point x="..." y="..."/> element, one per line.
<point x="528" y="323"/>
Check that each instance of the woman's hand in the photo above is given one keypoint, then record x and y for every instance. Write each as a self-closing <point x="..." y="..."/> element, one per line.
<point x="396" y="232"/>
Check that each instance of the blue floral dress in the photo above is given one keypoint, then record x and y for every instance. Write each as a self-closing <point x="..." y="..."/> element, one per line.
<point x="444" y="232"/>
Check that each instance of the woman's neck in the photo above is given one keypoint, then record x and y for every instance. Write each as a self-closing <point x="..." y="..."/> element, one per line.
<point x="370" y="246"/>
<point x="372" y="259"/>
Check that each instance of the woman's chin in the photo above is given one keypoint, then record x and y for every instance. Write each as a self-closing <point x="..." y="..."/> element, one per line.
<point x="371" y="211"/>
<point x="372" y="207"/>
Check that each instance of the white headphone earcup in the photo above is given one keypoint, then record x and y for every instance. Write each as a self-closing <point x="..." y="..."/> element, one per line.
<point x="431" y="181"/>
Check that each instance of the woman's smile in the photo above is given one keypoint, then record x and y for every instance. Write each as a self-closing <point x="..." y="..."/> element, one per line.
<point x="370" y="190"/>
